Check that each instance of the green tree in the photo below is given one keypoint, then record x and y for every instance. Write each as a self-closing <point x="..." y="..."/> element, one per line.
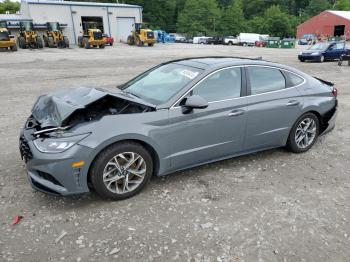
<point x="199" y="17"/>
<point x="317" y="6"/>
<point x="342" y="5"/>
<point x="256" y="25"/>
<point x="159" y="14"/>
<point x="277" y="23"/>
<point x="8" y="5"/>
<point x="232" y="21"/>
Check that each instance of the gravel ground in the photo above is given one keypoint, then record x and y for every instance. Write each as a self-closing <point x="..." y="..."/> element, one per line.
<point x="269" y="206"/>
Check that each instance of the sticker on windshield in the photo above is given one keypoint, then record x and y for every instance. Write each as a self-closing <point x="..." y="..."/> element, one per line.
<point x="188" y="73"/>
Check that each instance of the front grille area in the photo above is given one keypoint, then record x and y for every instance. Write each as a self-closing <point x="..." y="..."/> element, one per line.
<point x="44" y="188"/>
<point x="98" y="35"/>
<point x="150" y="35"/>
<point x="49" y="177"/>
<point x="24" y="149"/>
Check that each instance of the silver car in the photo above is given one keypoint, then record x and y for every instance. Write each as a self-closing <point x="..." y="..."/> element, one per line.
<point x="177" y="115"/>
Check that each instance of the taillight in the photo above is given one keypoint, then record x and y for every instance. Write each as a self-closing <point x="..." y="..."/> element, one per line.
<point x="335" y="92"/>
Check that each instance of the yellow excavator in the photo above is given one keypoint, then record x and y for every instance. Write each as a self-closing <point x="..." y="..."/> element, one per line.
<point x="7" y="40"/>
<point x="28" y="38"/>
<point x="92" y="37"/>
<point x="54" y="36"/>
<point x="141" y="35"/>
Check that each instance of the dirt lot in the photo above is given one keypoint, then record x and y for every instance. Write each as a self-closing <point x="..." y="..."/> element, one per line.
<point x="270" y="206"/>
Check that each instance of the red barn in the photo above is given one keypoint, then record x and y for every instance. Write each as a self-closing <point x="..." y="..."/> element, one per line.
<point x="327" y="23"/>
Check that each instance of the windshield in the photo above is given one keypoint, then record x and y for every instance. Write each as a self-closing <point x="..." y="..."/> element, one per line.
<point x="27" y="26"/>
<point x="54" y="26"/>
<point x="3" y="24"/>
<point x="319" y="46"/>
<point x="159" y="85"/>
<point x="4" y="36"/>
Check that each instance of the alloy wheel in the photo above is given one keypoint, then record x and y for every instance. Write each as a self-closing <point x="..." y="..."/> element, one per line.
<point x="124" y="172"/>
<point x="305" y="133"/>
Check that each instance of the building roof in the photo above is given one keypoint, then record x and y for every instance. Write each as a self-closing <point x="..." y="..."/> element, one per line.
<point x="344" y="14"/>
<point x="14" y="17"/>
<point x="72" y="3"/>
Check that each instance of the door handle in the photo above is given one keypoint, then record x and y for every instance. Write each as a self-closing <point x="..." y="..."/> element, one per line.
<point x="293" y="103"/>
<point x="236" y="113"/>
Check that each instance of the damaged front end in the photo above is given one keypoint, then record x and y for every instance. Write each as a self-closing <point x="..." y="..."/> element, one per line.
<point x="49" y="141"/>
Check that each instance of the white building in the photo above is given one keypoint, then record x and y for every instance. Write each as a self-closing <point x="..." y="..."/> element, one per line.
<point x="115" y="20"/>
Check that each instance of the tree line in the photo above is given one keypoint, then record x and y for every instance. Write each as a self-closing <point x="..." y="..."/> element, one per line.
<point x="224" y="17"/>
<point x="230" y="17"/>
<point x="8" y="5"/>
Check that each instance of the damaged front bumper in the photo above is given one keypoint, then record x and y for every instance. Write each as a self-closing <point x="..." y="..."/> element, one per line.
<point x="52" y="173"/>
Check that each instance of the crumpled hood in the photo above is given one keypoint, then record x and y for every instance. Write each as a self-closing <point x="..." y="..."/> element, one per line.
<point x="52" y="109"/>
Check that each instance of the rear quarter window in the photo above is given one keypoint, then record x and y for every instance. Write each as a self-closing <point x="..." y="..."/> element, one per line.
<point x="294" y="80"/>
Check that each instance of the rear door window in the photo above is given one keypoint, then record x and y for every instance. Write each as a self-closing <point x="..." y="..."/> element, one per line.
<point x="265" y="79"/>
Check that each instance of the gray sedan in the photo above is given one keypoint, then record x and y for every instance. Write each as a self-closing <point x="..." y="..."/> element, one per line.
<point x="177" y="115"/>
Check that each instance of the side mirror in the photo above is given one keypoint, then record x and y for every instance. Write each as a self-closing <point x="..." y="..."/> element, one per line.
<point x="194" y="102"/>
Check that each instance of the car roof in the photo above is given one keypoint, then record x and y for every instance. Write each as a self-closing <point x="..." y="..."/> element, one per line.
<point x="212" y="62"/>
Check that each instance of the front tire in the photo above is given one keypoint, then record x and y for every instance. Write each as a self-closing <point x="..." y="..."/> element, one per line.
<point x="304" y="133"/>
<point x="121" y="170"/>
<point x="13" y="48"/>
<point x="39" y="42"/>
<point x="322" y="59"/>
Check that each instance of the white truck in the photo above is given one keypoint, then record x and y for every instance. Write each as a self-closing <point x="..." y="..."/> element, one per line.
<point x="231" y="40"/>
<point x="248" y="39"/>
<point x="200" y="39"/>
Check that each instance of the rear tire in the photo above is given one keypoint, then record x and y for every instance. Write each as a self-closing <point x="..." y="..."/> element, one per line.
<point x="297" y="141"/>
<point x="50" y="42"/>
<point x="22" y="42"/>
<point x="104" y="169"/>
<point x="86" y="43"/>
<point x="131" y="40"/>
<point x="102" y="46"/>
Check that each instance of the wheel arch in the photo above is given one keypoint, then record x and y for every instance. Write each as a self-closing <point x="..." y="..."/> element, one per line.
<point x="150" y="148"/>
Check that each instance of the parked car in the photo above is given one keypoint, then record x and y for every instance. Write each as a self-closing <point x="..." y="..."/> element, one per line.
<point x="109" y="39"/>
<point x="180" y="39"/>
<point x="261" y="43"/>
<point x="177" y="115"/>
<point x="216" y="40"/>
<point x="303" y="41"/>
<point x="200" y="39"/>
<point x="203" y="40"/>
<point x="230" y="40"/>
<point x="323" y="51"/>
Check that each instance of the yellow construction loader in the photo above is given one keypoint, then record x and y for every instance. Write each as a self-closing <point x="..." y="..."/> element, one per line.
<point x="141" y="35"/>
<point x="28" y="38"/>
<point x="7" y="40"/>
<point x="54" y="36"/>
<point x="92" y="37"/>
